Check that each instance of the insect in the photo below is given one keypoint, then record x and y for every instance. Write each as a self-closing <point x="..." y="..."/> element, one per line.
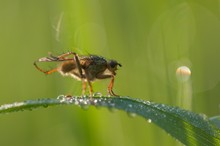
<point x="84" y="68"/>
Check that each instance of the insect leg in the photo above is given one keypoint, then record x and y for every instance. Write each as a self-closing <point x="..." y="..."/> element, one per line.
<point x="46" y="72"/>
<point x="78" y="64"/>
<point x="51" y="71"/>
<point x="83" y="87"/>
<point x="52" y="58"/>
<point x="62" y="56"/>
<point x="82" y="76"/>
<point x="89" y="83"/>
<point x="110" y="86"/>
<point x="90" y="88"/>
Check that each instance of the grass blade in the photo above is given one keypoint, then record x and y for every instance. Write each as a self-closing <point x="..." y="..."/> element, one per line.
<point x="188" y="127"/>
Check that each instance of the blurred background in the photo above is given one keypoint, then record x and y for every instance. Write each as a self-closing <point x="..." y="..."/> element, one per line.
<point x="169" y="51"/>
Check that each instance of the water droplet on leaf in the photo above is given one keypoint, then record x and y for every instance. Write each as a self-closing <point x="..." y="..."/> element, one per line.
<point x="130" y="114"/>
<point x="45" y="105"/>
<point x="84" y="106"/>
<point x="147" y="102"/>
<point x="149" y="120"/>
<point x="130" y="106"/>
<point x="97" y="94"/>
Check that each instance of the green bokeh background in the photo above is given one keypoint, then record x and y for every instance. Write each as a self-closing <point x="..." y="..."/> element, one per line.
<point x="151" y="39"/>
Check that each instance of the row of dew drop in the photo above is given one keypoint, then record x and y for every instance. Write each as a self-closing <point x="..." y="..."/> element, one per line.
<point x="98" y="101"/>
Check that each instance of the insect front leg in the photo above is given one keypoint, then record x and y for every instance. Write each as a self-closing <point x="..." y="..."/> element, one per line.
<point x="110" y="87"/>
<point x="111" y="84"/>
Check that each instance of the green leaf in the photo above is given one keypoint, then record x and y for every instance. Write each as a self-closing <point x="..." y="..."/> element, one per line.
<point x="188" y="127"/>
<point x="215" y="120"/>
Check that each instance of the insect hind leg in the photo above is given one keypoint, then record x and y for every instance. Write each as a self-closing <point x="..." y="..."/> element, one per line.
<point x="46" y="72"/>
<point x="52" y="58"/>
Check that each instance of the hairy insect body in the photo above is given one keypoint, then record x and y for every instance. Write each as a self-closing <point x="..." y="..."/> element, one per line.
<point x="84" y="68"/>
<point x="92" y="65"/>
<point x="96" y="66"/>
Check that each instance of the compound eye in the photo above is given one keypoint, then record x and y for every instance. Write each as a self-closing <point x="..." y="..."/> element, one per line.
<point x="113" y="64"/>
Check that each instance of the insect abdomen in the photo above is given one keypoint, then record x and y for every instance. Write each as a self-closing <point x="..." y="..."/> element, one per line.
<point x="67" y="67"/>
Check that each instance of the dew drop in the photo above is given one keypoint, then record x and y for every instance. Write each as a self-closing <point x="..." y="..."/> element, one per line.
<point x="69" y="100"/>
<point x="76" y="102"/>
<point x="97" y="94"/>
<point x="149" y="120"/>
<point x="45" y="105"/>
<point x="60" y="97"/>
<point x="112" y="104"/>
<point x="84" y="106"/>
<point x="132" y="115"/>
<point x="84" y="96"/>
<point x="112" y="109"/>
<point x="130" y="106"/>
<point x="147" y="102"/>
<point x="203" y="116"/>
<point x="94" y="101"/>
<point x="84" y="103"/>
